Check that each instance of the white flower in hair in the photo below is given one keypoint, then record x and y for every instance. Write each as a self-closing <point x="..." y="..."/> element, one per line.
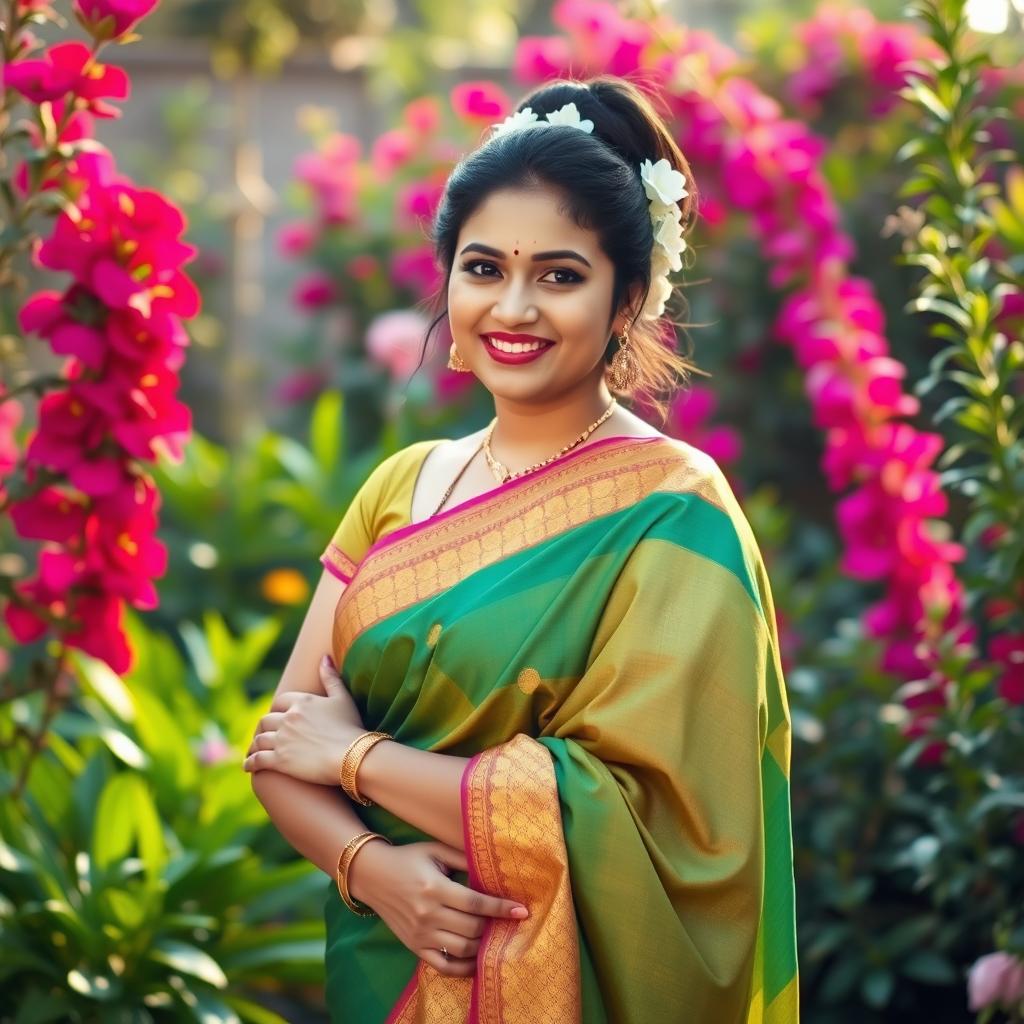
<point x="662" y="182"/>
<point x="571" y="116"/>
<point x="657" y="298"/>
<point x="524" y="118"/>
<point x="668" y="235"/>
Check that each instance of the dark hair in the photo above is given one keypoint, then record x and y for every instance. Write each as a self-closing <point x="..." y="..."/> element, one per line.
<point x="598" y="177"/>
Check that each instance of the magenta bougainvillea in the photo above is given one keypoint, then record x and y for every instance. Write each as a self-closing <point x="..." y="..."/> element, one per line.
<point x="750" y="158"/>
<point x="80" y="485"/>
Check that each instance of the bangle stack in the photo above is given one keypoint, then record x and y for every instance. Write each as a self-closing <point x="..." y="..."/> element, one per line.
<point x="352" y="847"/>
<point x="357" y="750"/>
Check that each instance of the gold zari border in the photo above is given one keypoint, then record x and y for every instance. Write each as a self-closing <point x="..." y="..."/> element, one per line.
<point x="598" y="481"/>
<point x="526" y="969"/>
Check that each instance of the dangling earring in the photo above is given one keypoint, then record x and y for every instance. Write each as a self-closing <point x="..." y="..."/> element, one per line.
<point x="456" y="362"/>
<point x="624" y="372"/>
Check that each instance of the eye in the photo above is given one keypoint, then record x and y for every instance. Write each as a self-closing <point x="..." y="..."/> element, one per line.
<point x="471" y="266"/>
<point x="573" y="276"/>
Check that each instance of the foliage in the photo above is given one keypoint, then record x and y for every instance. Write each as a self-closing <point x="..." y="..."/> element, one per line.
<point x="139" y="878"/>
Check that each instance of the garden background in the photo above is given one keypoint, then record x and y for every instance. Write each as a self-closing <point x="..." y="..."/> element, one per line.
<point x="213" y="283"/>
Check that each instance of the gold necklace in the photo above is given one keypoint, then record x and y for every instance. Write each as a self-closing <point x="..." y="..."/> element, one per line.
<point x="502" y="474"/>
<point x="485" y="444"/>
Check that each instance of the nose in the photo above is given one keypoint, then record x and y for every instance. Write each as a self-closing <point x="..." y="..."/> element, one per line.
<point x="514" y="306"/>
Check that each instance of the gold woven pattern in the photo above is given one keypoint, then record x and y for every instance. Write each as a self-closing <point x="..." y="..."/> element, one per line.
<point x="344" y="565"/>
<point x="433" y="633"/>
<point x="435" y="998"/>
<point x="601" y="479"/>
<point x="527" y="971"/>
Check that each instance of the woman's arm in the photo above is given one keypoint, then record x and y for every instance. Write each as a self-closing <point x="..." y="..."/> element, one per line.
<point x="421" y="788"/>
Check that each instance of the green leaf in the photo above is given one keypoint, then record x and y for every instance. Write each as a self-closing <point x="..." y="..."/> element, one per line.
<point x="877" y="987"/>
<point x="929" y="304"/>
<point x="929" y="967"/>
<point x="924" y="96"/>
<point x="188" y="960"/>
<point x="114" y="831"/>
<point x="326" y="433"/>
<point x="100" y="680"/>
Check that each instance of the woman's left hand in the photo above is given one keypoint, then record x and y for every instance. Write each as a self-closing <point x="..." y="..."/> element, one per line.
<point x="306" y="734"/>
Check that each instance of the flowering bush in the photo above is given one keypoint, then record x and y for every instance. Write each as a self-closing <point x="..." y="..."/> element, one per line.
<point x="78" y="482"/>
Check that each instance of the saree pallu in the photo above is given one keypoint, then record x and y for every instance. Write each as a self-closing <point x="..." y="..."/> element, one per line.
<point x="599" y="638"/>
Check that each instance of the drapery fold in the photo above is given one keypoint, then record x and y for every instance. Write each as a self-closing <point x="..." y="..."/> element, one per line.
<point x="614" y="676"/>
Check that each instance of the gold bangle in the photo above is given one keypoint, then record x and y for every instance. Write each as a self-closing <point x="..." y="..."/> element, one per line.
<point x="351" y="760"/>
<point x="352" y="847"/>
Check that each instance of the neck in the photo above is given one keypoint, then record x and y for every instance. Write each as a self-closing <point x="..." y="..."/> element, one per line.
<point x="527" y="432"/>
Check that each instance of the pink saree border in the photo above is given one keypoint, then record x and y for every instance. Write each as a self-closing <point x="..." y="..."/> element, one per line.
<point x="495" y="492"/>
<point x="515" y="848"/>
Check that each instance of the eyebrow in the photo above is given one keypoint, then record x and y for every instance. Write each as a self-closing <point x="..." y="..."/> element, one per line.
<point x="551" y="254"/>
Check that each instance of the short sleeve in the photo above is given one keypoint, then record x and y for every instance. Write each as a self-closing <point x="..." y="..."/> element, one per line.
<point x="379" y="507"/>
<point x="357" y="531"/>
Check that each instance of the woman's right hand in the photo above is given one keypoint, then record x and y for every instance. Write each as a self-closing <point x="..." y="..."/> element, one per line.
<point x="409" y="887"/>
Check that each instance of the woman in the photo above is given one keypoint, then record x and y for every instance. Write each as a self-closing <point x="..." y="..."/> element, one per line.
<point x="556" y="699"/>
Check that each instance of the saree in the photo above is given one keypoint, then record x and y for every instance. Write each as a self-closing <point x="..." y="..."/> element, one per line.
<point x="598" y="637"/>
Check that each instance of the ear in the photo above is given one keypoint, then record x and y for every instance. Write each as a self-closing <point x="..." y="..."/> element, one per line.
<point x="628" y="310"/>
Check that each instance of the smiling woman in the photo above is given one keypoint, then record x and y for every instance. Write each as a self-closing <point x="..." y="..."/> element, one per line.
<point x="559" y="663"/>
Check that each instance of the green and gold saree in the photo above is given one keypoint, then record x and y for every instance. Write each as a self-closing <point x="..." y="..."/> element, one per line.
<point x="599" y="638"/>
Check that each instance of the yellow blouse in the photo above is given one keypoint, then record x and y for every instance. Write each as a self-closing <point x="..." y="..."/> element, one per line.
<point x="382" y="505"/>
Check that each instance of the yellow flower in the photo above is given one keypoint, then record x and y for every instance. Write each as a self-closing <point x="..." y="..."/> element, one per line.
<point x="284" y="586"/>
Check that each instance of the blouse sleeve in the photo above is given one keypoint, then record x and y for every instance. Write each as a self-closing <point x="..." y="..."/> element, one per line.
<point x="357" y="531"/>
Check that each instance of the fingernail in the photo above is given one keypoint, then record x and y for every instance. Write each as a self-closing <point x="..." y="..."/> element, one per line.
<point x="323" y="660"/>
<point x="520" y="912"/>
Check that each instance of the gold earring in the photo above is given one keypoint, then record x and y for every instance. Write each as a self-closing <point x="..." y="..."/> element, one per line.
<point x="624" y="371"/>
<point x="456" y="362"/>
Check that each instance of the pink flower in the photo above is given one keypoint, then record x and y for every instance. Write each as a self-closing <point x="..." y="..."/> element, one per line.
<point x="301" y="386"/>
<point x="1009" y="652"/>
<point x="422" y="116"/>
<point x="480" y="101"/>
<point x="213" y="750"/>
<point x="49" y="514"/>
<point x="996" y="979"/>
<point x="10" y="417"/>
<point x="418" y="202"/>
<point x="296" y="239"/>
<point x="391" y="151"/>
<point x="394" y="340"/>
<point x="539" y="58"/>
<point x="68" y="68"/>
<point x="111" y="19"/>
<point x="315" y="290"/>
<point x="362" y="267"/>
<point x="416" y="270"/>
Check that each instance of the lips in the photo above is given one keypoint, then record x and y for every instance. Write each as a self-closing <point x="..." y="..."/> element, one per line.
<point x="525" y="339"/>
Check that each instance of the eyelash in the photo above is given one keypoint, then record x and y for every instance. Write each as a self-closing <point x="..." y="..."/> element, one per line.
<point x="468" y="267"/>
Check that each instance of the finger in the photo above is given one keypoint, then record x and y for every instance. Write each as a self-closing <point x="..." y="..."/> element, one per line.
<point x="459" y="923"/>
<point x="262" y="741"/>
<point x="284" y="700"/>
<point x="270" y="721"/>
<point x="460" y="897"/>
<point x="260" y="759"/>
<point x="459" y="947"/>
<point x="454" y="967"/>
<point x="329" y="677"/>
<point x="451" y="855"/>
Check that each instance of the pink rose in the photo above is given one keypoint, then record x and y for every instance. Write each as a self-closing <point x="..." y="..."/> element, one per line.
<point x="393" y="340"/>
<point x="996" y="979"/>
